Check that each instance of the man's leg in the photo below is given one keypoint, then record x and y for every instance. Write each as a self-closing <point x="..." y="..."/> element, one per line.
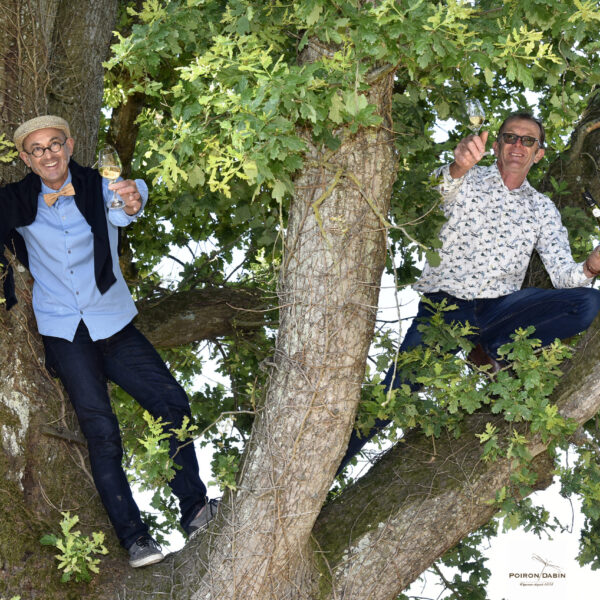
<point x="393" y="379"/>
<point x="133" y="363"/>
<point x="554" y="314"/>
<point x="79" y="366"/>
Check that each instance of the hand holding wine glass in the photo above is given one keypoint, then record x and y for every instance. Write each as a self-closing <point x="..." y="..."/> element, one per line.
<point x="471" y="149"/>
<point x="109" y="167"/>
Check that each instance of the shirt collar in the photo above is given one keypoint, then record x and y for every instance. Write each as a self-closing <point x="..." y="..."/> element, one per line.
<point x="494" y="172"/>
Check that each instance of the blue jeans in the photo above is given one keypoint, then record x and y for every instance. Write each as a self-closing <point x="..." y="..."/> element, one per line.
<point x="128" y="359"/>
<point x="553" y="313"/>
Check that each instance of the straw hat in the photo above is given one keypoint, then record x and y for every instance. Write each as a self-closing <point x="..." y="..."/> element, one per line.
<point x="39" y="123"/>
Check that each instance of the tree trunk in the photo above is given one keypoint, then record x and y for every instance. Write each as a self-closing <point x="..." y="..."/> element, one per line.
<point x="51" y="63"/>
<point x="334" y="255"/>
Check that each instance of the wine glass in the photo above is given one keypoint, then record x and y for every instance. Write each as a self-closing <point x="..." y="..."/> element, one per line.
<point x="109" y="166"/>
<point x="475" y="113"/>
<point x="476" y="116"/>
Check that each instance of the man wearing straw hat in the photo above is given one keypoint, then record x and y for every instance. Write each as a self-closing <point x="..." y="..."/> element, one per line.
<point x="57" y="221"/>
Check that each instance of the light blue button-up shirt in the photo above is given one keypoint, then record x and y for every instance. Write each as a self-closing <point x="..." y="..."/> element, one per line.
<point x="61" y="259"/>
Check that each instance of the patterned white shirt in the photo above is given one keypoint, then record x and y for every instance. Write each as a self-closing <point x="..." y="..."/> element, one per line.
<point x="490" y="234"/>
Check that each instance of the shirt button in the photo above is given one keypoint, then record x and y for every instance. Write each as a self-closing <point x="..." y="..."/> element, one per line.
<point x="77" y="293"/>
<point x="66" y="232"/>
<point x="71" y="272"/>
<point x="68" y="252"/>
<point x="80" y="312"/>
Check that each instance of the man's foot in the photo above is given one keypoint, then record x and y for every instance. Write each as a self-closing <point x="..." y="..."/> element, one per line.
<point x="144" y="551"/>
<point x="204" y="516"/>
<point x="479" y="357"/>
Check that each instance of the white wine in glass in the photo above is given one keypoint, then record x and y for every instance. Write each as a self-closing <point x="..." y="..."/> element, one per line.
<point x="476" y="122"/>
<point x="475" y="113"/>
<point x="109" y="167"/>
<point x="476" y="116"/>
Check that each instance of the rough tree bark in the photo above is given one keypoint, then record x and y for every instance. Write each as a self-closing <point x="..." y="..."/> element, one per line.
<point x="328" y="289"/>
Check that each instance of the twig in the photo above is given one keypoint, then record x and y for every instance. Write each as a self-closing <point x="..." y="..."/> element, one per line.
<point x="63" y="434"/>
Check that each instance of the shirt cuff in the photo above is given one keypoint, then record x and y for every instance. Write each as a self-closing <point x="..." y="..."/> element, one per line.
<point x="582" y="279"/>
<point x="448" y="183"/>
<point x="119" y="217"/>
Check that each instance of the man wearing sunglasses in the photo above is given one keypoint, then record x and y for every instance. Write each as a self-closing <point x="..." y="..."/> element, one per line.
<point x="495" y="220"/>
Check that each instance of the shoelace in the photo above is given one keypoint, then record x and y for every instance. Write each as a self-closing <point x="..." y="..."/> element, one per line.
<point x="146" y="541"/>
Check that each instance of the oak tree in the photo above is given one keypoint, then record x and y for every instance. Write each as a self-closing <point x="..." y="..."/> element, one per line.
<point x="289" y="148"/>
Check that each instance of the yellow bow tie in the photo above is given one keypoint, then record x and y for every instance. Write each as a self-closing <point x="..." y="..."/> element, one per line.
<point x="68" y="190"/>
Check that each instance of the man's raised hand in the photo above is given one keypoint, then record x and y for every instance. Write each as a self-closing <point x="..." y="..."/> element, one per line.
<point x="127" y="189"/>
<point x="468" y="153"/>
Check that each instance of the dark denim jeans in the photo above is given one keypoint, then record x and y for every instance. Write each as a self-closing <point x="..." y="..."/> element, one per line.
<point x="128" y="359"/>
<point x="553" y="313"/>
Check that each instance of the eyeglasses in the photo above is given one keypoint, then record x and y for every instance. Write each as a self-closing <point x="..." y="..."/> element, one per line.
<point x="54" y="147"/>
<point x="526" y="140"/>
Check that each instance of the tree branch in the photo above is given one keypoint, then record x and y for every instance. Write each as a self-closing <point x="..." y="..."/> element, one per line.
<point x="190" y="316"/>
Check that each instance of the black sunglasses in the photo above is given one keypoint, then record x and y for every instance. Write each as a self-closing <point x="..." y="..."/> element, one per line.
<point x="526" y="140"/>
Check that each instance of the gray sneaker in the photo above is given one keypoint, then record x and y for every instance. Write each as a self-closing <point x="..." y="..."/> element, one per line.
<point x="205" y="515"/>
<point x="144" y="551"/>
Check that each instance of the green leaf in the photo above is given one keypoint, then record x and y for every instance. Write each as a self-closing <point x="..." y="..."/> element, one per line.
<point x="196" y="176"/>
<point x="279" y="190"/>
<point x="314" y="15"/>
<point x="48" y="540"/>
<point x="337" y="105"/>
<point x="354" y="102"/>
<point x="433" y="258"/>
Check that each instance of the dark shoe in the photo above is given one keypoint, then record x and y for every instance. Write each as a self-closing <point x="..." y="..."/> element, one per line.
<point x="144" y="551"/>
<point x="205" y="515"/>
<point x="479" y="357"/>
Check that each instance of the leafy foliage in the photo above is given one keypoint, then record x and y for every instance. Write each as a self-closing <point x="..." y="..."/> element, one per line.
<point x="76" y="551"/>
<point x="449" y="388"/>
<point x="7" y="152"/>
<point x="231" y="111"/>
<point x="470" y="574"/>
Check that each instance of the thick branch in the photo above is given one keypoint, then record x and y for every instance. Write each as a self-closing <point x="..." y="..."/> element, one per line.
<point x="185" y="317"/>
<point x="124" y="129"/>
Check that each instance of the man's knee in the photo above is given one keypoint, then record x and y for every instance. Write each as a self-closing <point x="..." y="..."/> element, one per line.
<point x="590" y="305"/>
<point x="101" y="432"/>
<point x="101" y="449"/>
